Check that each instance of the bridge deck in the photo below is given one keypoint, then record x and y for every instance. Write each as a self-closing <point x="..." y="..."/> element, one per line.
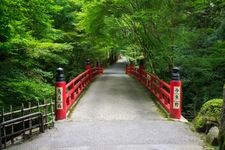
<point x="116" y="112"/>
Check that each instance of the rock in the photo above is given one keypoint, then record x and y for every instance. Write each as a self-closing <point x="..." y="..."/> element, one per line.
<point x="212" y="136"/>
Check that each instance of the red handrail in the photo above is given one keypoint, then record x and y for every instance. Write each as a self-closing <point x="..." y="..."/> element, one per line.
<point x="76" y="86"/>
<point x="159" y="88"/>
<point x="68" y="93"/>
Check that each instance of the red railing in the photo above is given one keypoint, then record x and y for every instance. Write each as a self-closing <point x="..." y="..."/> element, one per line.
<point x="75" y="87"/>
<point x="163" y="91"/>
<point x="67" y="94"/>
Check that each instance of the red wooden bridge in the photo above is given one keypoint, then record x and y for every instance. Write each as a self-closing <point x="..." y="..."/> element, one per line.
<point x="169" y="95"/>
<point x="115" y="112"/>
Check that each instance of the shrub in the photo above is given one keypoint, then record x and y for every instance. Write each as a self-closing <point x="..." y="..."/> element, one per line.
<point x="208" y="115"/>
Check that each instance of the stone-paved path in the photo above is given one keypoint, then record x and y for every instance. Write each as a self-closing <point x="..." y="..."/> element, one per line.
<point x="116" y="113"/>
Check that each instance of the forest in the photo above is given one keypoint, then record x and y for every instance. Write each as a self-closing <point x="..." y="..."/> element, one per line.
<point x="38" y="36"/>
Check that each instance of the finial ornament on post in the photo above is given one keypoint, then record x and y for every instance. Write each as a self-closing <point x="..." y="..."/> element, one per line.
<point x="175" y="94"/>
<point x="60" y="95"/>
<point x="60" y="75"/>
<point x="175" y="74"/>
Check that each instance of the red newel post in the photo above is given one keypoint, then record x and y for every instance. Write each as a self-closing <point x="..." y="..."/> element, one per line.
<point x="140" y="69"/>
<point x="88" y="67"/>
<point x="131" y="68"/>
<point x="175" y="94"/>
<point x="98" y="67"/>
<point x="126" y="69"/>
<point x="100" y="70"/>
<point x="60" y="95"/>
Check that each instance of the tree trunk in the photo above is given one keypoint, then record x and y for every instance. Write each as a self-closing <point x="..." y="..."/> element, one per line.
<point x="222" y="124"/>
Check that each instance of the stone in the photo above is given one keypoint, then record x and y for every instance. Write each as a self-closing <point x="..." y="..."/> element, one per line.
<point x="212" y="136"/>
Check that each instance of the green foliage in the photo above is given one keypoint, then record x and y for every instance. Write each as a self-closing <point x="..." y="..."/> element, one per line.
<point x="222" y="140"/>
<point x="166" y="34"/>
<point x="19" y="88"/>
<point x="202" y="58"/>
<point x="27" y="90"/>
<point x="44" y="35"/>
<point x="210" y="112"/>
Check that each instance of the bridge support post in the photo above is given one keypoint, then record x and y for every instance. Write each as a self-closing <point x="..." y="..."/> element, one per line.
<point x="60" y="95"/>
<point x="175" y="94"/>
<point x="88" y="67"/>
